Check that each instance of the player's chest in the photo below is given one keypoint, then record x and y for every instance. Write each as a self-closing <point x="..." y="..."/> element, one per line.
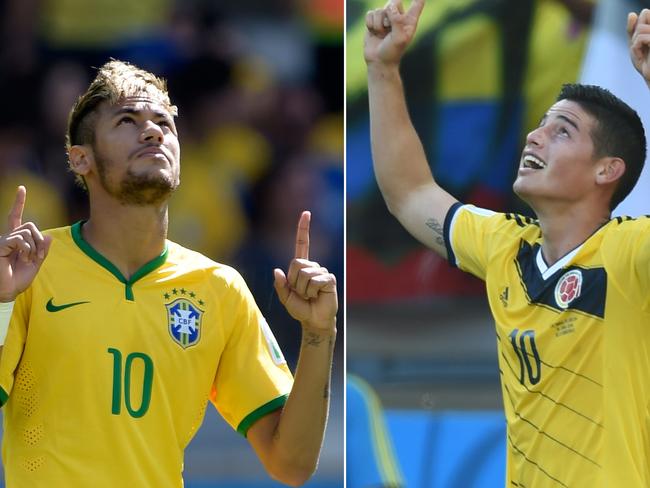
<point x="171" y="318"/>
<point x="548" y="320"/>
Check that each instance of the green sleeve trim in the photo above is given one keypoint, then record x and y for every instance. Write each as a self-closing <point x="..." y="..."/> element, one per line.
<point x="3" y="397"/>
<point x="110" y="267"/>
<point x="260" y="412"/>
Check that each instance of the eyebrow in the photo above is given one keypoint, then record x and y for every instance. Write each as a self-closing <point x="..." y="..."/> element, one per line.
<point x="569" y="121"/>
<point x="133" y="111"/>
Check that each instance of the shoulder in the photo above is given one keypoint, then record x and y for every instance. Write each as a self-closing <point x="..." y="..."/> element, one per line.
<point x="624" y="223"/>
<point x="59" y="233"/>
<point x="188" y="261"/>
<point x="627" y="229"/>
<point x="490" y="222"/>
<point x="62" y="241"/>
<point x="624" y="234"/>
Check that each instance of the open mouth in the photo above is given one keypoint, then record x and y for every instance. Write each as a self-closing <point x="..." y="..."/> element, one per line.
<point x="533" y="162"/>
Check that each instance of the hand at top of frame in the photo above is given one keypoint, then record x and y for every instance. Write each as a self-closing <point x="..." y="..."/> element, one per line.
<point x="389" y="31"/>
<point x="638" y="34"/>
<point x="22" y="251"/>
<point x="308" y="291"/>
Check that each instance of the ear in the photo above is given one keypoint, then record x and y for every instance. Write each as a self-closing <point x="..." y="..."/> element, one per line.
<point x="80" y="159"/>
<point x="610" y="170"/>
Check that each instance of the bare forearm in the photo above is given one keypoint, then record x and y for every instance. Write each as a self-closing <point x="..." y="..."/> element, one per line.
<point x="401" y="168"/>
<point x="399" y="160"/>
<point x="299" y="434"/>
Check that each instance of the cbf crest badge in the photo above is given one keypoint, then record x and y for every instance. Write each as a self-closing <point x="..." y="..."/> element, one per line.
<point x="184" y="321"/>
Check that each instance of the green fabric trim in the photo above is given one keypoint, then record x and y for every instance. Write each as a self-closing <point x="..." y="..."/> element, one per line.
<point x="106" y="264"/>
<point x="260" y="412"/>
<point x="3" y="396"/>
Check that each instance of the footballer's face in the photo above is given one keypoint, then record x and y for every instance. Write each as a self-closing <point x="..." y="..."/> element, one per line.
<point x="136" y="151"/>
<point x="558" y="164"/>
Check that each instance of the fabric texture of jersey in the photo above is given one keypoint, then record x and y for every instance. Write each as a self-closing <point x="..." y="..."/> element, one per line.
<point x="370" y="457"/>
<point x="106" y="379"/>
<point x="573" y="346"/>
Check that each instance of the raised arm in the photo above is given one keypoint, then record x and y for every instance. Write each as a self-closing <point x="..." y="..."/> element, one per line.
<point x="22" y="251"/>
<point x="401" y="167"/>
<point x="638" y="33"/>
<point x="288" y="441"/>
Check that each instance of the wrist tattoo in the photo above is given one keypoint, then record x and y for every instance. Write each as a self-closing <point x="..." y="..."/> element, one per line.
<point x="312" y="339"/>
<point x="435" y="226"/>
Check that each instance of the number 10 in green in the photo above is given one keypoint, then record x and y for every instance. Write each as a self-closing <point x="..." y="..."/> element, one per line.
<point x="147" y="382"/>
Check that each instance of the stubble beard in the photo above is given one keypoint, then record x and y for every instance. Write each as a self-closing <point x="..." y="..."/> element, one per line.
<point x="136" y="189"/>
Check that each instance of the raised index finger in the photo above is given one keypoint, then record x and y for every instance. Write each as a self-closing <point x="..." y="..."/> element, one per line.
<point x="302" y="236"/>
<point x="15" y="218"/>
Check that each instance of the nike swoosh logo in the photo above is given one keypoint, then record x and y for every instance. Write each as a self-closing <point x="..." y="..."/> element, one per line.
<point x="50" y="307"/>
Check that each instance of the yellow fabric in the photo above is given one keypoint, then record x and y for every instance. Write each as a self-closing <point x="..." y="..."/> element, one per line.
<point x="82" y="24"/>
<point x="580" y="416"/>
<point x="471" y="51"/>
<point x="77" y="377"/>
<point x="557" y="45"/>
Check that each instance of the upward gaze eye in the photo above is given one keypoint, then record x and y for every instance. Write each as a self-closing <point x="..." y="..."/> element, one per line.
<point x="125" y="120"/>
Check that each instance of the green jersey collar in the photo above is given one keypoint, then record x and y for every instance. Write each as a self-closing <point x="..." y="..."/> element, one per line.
<point x="105" y="263"/>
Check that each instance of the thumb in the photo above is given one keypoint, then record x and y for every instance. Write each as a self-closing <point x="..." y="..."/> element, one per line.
<point x="281" y="286"/>
<point x="393" y="13"/>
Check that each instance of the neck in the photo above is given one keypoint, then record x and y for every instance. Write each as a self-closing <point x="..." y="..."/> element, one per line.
<point x="128" y="236"/>
<point x="565" y="227"/>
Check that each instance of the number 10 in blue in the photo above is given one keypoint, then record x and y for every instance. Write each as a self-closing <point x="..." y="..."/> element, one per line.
<point x="524" y="356"/>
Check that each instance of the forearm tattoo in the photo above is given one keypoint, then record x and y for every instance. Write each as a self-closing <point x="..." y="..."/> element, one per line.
<point x="438" y="231"/>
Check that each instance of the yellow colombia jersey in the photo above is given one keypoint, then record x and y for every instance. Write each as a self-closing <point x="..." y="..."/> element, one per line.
<point x="106" y="380"/>
<point x="573" y="343"/>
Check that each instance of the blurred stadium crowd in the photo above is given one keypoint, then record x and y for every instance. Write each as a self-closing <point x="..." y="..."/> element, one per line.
<point x="477" y="78"/>
<point x="260" y="95"/>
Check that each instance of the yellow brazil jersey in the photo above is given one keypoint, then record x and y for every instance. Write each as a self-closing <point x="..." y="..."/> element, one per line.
<point x="106" y="379"/>
<point x="573" y="345"/>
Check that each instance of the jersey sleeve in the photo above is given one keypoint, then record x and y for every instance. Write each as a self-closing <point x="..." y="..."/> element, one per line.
<point x="627" y="251"/>
<point x="252" y="378"/>
<point x="473" y="235"/>
<point x="14" y="344"/>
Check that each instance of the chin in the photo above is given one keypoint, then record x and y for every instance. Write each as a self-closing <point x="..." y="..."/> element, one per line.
<point x="144" y="190"/>
<point x="522" y="191"/>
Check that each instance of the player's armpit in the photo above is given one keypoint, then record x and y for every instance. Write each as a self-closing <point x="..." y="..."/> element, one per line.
<point x="423" y="213"/>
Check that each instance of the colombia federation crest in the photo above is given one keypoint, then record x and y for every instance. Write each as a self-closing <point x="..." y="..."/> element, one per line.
<point x="184" y="322"/>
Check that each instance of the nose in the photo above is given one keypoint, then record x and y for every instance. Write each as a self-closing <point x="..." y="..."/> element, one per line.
<point x="535" y="137"/>
<point x="152" y="133"/>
